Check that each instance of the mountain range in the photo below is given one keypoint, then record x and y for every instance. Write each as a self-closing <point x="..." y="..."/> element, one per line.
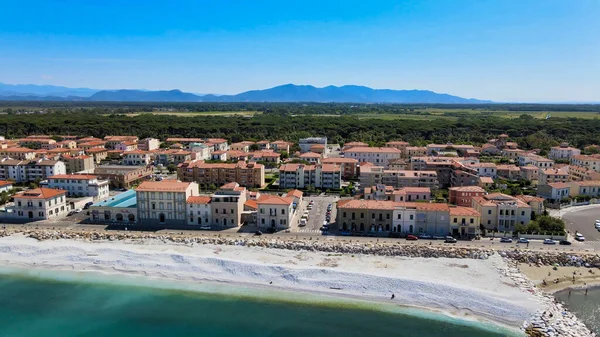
<point x="282" y="93"/>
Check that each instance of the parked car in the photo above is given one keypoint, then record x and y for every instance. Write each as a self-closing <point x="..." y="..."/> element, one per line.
<point x="579" y="237"/>
<point x="77" y="210"/>
<point x="395" y="234"/>
<point x="272" y="230"/>
<point x="425" y="237"/>
<point x="258" y="233"/>
<point x="346" y="233"/>
<point x="205" y="227"/>
<point x="506" y="240"/>
<point x="325" y="228"/>
<point x="371" y="234"/>
<point x="523" y="240"/>
<point x="564" y="242"/>
<point x="411" y="237"/>
<point x="87" y="205"/>
<point x="549" y="242"/>
<point x="438" y="237"/>
<point x="450" y="239"/>
<point x="70" y="213"/>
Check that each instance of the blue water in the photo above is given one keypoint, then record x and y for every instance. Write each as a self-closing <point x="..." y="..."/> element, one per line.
<point x="586" y="307"/>
<point x="36" y="306"/>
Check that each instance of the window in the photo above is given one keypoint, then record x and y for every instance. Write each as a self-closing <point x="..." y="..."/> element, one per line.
<point x="282" y="211"/>
<point x="489" y="222"/>
<point x="232" y="211"/>
<point x="153" y="206"/>
<point x="522" y="213"/>
<point x="501" y="212"/>
<point x="362" y="215"/>
<point x="411" y="217"/>
<point x="40" y="204"/>
<point x="387" y="216"/>
<point x="399" y="216"/>
<point x="471" y="220"/>
<point x="455" y="220"/>
<point x="489" y="211"/>
<point x="344" y="213"/>
<point x="217" y="210"/>
<point x="19" y="203"/>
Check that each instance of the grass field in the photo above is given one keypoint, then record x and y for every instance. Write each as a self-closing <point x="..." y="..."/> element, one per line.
<point x="444" y="114"/>
<point x="199" y="113"/>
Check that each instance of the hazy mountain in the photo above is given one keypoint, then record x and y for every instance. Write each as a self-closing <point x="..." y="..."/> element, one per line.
<point x="283" y="93"/>
<point x="43" y="90"/>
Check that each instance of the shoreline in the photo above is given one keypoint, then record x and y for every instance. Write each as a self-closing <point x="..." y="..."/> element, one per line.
<point x="418" y="283"/>
<point x="583" y="277"/>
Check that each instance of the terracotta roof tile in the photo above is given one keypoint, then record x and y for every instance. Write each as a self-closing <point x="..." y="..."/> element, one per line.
<point x="198" y="199"/>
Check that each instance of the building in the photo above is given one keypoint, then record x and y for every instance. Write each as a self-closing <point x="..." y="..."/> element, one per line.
<point x="280" y="146"/>
<point x="30" y="170"/>
<point x="164" y="203"/>
<point x="463" y="195"/>
<point x="241" y="146"/>
<point x="79" y="185"/>
<point x="172" y="140"/>
<point x="590" y="162"/>
<point x="38" y="204"/>
<point x="112" y="142"/>
<point x="19" y="153"/>
<point x="137" y="158"/>
<point x="219" y="144"/>
<point x="296" y="196"/>
<point x="552" y="175"/>
<point x="535" y="160"/>
<point x="536" y="203"/>
<point x="79" y="164"/>
<point x="581" y="173"/>
<point x="485" y="169"/>
<point x="246" y="174"/>
<point x="5" y="186"/>
<point x="38" y="143"/>
<point x="274" y="212"/>
<point x="512" y="154"/>
<point x="264" y="144"/>
<point x="99" y="154"/>
<point x="502" y="212"/>
<point x="182" y="156"/>
<point x="199" y="210"/>
<point x="398" y="145"/>
<point x="120" y="209"/>
<point x="92" y="144"/>
<point x="349" y="145"/>
<point x="464" y="222"/>
<point x="306" y="143"/>
<point x="375" y="175"/>
<point x="511" y="172"/>
<point x="485" y="182"/>
<point x="380" y="156"/>
<point x="201" y="151"/>
<point x="227" y="205"/>
<point x="318" y="148"/>
<point x="414" y="151"/>
<point x="148" y="144"/>
<point x="300" y="176"/>
<point x="382" y="192"/>
<point x="554" y="192"/>
<point x="348" y="166"/>
<point x="366" y="215"/>
<point x="585" y="188"/>
<point x="563" y="152"/>
<point x="432" y="219"/>
<point x="268" y="156"/>
<point x="123" y="176"/>
<point x="435" y="149"/>
<point x="311" y="157"/>
<point x="530" y="172"/>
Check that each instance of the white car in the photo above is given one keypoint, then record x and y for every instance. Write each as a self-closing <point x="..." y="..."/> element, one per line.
<point x="77" y="210"/>
<point x="579" y="237"/>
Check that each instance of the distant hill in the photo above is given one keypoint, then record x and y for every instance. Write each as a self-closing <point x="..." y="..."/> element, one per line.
<point x="283" y="93"/>
<point x="43" y="90"/>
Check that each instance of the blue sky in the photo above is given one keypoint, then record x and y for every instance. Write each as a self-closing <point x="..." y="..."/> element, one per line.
<point x="503" y="50"/>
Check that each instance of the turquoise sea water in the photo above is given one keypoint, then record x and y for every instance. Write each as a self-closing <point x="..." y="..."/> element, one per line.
<point x="586" y="307"/>
<point x="34" y="306"/>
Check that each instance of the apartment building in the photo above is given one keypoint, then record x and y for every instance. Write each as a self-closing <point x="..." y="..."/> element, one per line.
<point x="164" y="203"/>
<point x="464" y="222"/>
<point x="79" y="185"/>
<point x="38" y="143"/>
<point x="241" y="146"/>
<point x="512" y="154"/>
<point x="400" y="145"/>
<point x="23" y="171"/>
<point x="589" y="188"/>
<point x="126" y="146"/>
<point x="375" y="175"/>
<point x="366" y="215"/>
<point x="349" y="166"/>
<point x="380" y="156"/>
<point x="382" y="192"/>
<point x="581" y="173"/>
<point x="590" y="162"/>
<point x="91" y="145"/>
<point x="200" y="150"/>
<point x="148" y="144"/>
<point x="435" y="149"/>
<point x="484" y="169"/>
<point x="280" y="146"/>
<point x="246" y="174"/>
<point x="530" y="172"/>
<point x="121" y="176"/>
<point x="511" y="172"/>
<point x="137" y="158"/>
<point x="113" y="141"/>
<point x="306" y="143"/>
<point x="300" y="176"/>
<point x="268" y="156"/>
<point x="311" y="157"/>
<point x="274" y="212"/>
<point x="227" y="205"/>
<point x="199" y="210"/>
<point x="414" y="151"/>
<point x="463" y="195"/>
<point x="349" y="145"/>
<point x="218" y="144"/>
<point x="554" y="192"/>
<point x="182" y="156"/>
<point x="79" y="164"/>
<point x="553" y="175"/>
<point x="535" y="160"/>
<point x="564" y="152"/>
<point x="38" y="204"/>
<point x="502" y="212"/>
<point x="18" y="153"/>
<point x="99" y="154"/>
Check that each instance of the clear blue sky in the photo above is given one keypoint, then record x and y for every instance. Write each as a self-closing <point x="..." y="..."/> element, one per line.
<point x="504" y="50"/>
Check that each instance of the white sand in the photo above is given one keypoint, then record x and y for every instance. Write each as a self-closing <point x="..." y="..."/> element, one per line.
<point x="465" y="288"/>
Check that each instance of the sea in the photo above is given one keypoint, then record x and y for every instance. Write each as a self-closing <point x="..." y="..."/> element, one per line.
<point x="61" y="304"/>
<point x="585" y="307"/>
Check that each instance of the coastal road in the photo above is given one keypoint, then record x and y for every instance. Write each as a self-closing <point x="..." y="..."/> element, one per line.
<point x="582" y="221"/>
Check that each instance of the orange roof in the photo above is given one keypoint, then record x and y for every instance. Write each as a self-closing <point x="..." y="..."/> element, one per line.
<point x="40" y="193"/>
<point x="295" y="193"/>
<point x="216" y="140"/>
<point x="136" y="152"/>
<point x="587" y="183"/>
<point x="198" y="200"/>
<point x="467" y="189"/>
<point x="230" y="186"/>
<point x="559" y="185"/>
<point x="432" y="207"/>
<point x="251" y="204"/>
<point x="74" y="176"/>
<point x="417" y="189"/>
<point x="339" y="160"/>
<point x="317" y="146"/>
<point x="396" y="142"/>
<point x="486" y="180"/>
<point x="529" y="198"/>
<point x="96" y="150"/>
<point x="364" y="149"/>
<point x="310" y="155"/>
<point x="369" y="204"/>
<point x="463" y="211"/>
<point x="5" y="183"/>
<point x="163" y="186"/>
<point x="18" y="150"/>
<point x="266" y="199"/>
<point x="240" y="164"/>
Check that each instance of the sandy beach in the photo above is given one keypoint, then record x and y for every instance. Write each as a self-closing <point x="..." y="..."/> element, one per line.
<point x="584" y="277"/>
<point x="464" y="288"/>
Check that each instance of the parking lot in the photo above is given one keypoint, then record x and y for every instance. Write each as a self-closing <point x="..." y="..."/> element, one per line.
<point x="317" y="213"/>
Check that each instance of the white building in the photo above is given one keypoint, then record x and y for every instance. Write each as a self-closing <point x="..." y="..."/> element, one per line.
<point x="227" y="205"/>
<point x="199" y="211"/>
<point x="564" y="151"/>
<point x="484" y="169"/>
<point x="30" y="170"/>
<point x="380" y="156"/>
<point x="403" y="218"/>
<point x="323" y="176"/>
<point x="79" y="185"/>
<point x="39" y="204"/>
<point x="136" y="158"/>
<point x="274" y="212"/>
<point x="148" y="144"/>
<point x="164" y="203"/>
<point x="5" y="186"/>
<point x="201" y="151"/>
<point x="306" y="143"/>
<point x="535" y="160"/>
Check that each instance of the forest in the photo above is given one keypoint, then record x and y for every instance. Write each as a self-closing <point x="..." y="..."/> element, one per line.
<point x="529" y="132"/>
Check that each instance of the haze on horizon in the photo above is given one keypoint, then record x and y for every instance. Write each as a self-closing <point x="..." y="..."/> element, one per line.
<point x="503" y="50"/>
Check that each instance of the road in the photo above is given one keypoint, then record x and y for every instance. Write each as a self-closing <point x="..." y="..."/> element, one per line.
<point x="317" y="213"/>
<point x="582" y="221"/>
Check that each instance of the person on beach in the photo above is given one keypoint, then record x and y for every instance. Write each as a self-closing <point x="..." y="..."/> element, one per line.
<point x="569" y="293"/>
<point x="394" y="296"/>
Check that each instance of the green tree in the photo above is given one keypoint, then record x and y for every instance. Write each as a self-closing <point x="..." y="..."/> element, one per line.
<point x="254" y="147"/>
<point x="172" y="168"/>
